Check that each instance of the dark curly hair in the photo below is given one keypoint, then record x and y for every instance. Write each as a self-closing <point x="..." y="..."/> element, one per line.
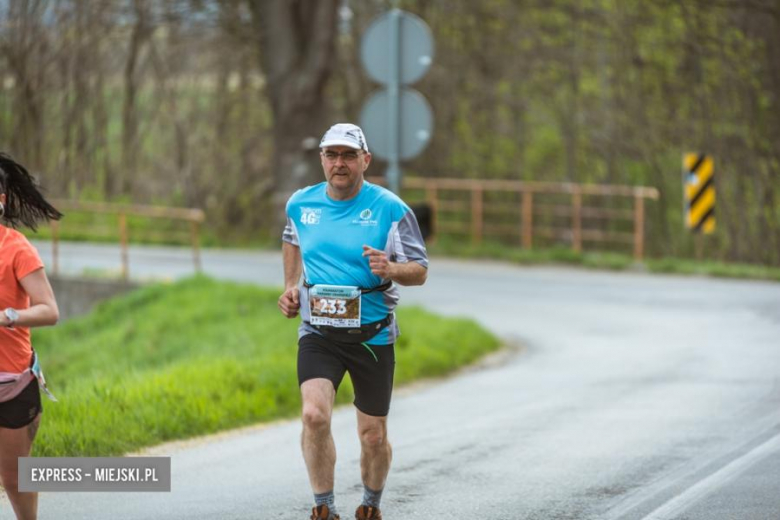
<point x="24" y="203"/>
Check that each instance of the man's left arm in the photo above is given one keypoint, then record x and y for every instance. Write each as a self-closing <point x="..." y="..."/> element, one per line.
<point x="409" y="273"/>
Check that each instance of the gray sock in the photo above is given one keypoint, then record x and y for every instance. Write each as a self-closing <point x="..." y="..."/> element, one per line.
<point x="328" y="499"/>
<point x="371" y="497"/>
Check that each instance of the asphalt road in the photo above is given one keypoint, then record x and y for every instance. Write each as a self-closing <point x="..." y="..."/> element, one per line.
<point x="634" y="397"/>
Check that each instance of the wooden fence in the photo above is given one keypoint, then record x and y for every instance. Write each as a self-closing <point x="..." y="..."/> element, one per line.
<point x="524" y="212"/>
<point x="195" y="217"/>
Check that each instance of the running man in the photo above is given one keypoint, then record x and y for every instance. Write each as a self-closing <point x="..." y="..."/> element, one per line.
<point x="352" y="241"/>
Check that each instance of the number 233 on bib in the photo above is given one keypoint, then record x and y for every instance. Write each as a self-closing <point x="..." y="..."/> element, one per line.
<point x="335" y="305"/>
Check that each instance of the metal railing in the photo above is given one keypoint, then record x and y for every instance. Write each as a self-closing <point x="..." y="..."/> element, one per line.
<point x="195" y="217"/>
<point x="488" y="216"/>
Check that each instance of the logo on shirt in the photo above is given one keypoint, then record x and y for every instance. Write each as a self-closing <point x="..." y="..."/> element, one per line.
<point x="365" y="219"/>
<point x="310" y="216"/>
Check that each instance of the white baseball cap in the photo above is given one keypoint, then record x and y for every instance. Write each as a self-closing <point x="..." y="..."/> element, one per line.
<point x="345" y="134"/>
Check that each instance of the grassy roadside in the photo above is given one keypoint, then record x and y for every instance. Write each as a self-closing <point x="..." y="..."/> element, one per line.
<point x="602" y="260"/>
<point x="104" y="229"/>
<point x="83" y="227"/>
<point x="710" y="268"/>
<point x="172" y="361"/>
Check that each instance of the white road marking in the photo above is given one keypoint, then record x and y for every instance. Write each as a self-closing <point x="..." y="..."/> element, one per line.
<point x="705" y="486"/>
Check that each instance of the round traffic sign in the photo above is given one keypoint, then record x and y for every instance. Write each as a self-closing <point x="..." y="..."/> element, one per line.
<point x="415" y="128"/>
<point x="415" y="47"/>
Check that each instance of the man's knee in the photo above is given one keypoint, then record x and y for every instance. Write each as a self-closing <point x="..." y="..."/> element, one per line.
<point x="315" y="417"/>
<point x="317" y="397"/>
<point x="374" y="436"/>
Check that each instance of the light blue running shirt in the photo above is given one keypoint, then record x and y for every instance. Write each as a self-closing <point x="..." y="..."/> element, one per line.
<point x="331" y="234"/>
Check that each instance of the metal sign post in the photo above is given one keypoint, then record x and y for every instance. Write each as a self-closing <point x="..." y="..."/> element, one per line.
<point x="396" y="51"/>
<point x="393" y="87"/>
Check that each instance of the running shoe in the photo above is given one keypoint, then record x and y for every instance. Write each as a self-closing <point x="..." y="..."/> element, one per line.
<point x="322" y="513"/>
<point x="368" y="513"/>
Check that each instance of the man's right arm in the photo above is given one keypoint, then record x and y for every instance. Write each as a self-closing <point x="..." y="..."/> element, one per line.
<point x="291" y="255"/>
<point x="289" y="301"/>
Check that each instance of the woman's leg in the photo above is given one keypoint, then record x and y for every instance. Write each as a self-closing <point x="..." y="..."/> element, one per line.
<point x="15" y="443"/>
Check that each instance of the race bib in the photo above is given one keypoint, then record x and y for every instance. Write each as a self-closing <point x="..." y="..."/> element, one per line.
<point x="335" y="305"/>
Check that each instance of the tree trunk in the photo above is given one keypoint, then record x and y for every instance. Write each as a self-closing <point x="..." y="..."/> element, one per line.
<point x="297" y="50"/>
<point x="130" y="144"/>
<point x="25" y="47"/>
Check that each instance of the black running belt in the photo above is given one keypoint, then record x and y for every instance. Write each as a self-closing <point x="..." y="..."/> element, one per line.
<point x="381" y="288"/>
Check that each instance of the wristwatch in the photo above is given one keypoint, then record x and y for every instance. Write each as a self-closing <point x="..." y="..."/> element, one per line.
<point x="12" y="316"/>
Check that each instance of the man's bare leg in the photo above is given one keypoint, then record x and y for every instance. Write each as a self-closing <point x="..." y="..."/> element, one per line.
<point x="319" y="450"/>
<point x="375" y="456"/>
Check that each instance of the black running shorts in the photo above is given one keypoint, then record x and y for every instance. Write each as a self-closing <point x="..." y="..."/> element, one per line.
<point x="22" y="409"/>
<point x="370" y="368"/>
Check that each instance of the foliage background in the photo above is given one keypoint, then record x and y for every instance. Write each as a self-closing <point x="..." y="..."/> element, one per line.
<point x="167" y="102"/>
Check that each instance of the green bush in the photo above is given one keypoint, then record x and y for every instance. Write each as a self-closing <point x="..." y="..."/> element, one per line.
<point x="171" y="361"/>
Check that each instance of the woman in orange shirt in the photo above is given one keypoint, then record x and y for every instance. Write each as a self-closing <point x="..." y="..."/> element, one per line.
<point x="26" y="300"/>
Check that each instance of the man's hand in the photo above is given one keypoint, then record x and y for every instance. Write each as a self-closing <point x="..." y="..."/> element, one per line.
<point x="378" y="262"/>
<point x="408" y="273"/>
<point x="289" y="303"/>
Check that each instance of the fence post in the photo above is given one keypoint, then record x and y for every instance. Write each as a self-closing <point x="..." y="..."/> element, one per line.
<point x="528" y="219"/>
<point x="195" y="245"/>
<point x="431" y="196"/>
<point x="476" y="214"/>
<point x="123" y="244"/>
<point x="55" y="247"/>
<point x="639" y="227"/>
<point x="576" y="219"/>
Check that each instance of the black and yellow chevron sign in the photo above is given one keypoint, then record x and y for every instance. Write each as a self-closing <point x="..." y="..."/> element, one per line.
<point x="699" y="189"/>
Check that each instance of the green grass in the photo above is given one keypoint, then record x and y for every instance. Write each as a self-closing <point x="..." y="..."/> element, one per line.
<point x="104" y="229"/>
<point x="101" y="228"/>
<point x="171" y="361"/>
<point x="710" y="268"/>
<point x="602" y="260"/>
